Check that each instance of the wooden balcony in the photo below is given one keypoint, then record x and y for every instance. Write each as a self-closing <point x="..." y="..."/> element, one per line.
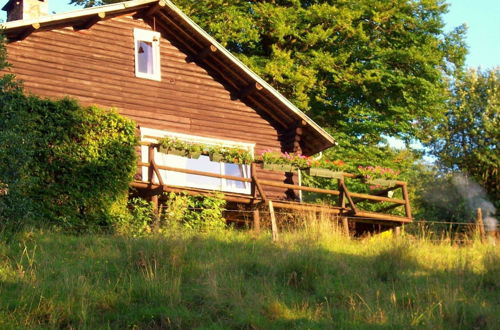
<point x="343" y="202"/>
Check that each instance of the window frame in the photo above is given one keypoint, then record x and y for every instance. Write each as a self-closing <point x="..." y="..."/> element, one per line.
<point x="154" y="38"/>
<point x="153" y="135"/>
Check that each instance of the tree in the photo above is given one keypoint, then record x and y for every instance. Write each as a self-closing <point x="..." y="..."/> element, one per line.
<point x="469" y="140"/>
<point x="364" y="68"/>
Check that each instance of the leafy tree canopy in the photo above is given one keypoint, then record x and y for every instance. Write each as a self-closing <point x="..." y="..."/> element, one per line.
<point x="469" y="141"/>
<point x="361" y="67"/>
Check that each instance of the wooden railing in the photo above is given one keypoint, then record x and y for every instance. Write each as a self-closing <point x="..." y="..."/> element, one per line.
<point x="346" y="201"/>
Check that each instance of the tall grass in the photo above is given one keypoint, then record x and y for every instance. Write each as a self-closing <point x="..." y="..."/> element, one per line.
<point x="312" y="278"/>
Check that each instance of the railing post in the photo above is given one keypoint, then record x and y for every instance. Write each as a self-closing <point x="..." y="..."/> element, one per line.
<point x="341" y="184"/>
<point x="407" y="201"/>
<point x="151" y="157"/>
<point x="256" y="183"/>
<point x="256" y="220"/>
<point x="480" y="224"/>
<point x="345" y="226"/>
<point x="274" y="225"/>
<point x="151" y="173"/>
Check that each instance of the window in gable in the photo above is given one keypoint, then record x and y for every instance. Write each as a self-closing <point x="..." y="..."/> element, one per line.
<point x="147" y="54"/>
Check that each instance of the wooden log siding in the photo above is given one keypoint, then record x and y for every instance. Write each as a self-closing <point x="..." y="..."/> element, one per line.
<point x="96" y="66"/>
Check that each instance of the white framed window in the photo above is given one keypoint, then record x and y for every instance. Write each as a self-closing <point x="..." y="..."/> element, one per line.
<point x="203" y="163"/>
<point x="147" y="54"/>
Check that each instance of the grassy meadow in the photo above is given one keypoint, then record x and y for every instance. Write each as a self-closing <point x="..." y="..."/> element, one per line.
<point x="311" y="279"/>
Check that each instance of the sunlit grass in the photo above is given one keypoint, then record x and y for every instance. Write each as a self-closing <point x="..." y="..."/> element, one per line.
<point x="312" y="278"/>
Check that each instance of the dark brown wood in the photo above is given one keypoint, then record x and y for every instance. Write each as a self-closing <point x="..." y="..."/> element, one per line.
<point x="154" y="201"/>
<point x="347" y="194"/>
<point x="26" y="32"/>
<point x="90" y="22"/>
<point x="151" y="169"/>
<point x="203" y="54"/>
<point x="345" y="226"/>
<point x="153" y="9"/>
<point x="386" y="217"/>
<point x="388" y="208"/>
<point x="341" y="201"/>
<point x="250" y="89"/>
<point x="157" y="172"/>
<point x="306" y="207"/>
<point x="256" y="182"/>
<point x="296" y="187"/>
<point x="407" y="200"/>
<point x="206" y="105"/>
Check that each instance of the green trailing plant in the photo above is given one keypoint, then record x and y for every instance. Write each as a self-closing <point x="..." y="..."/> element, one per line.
<point x="180" y="147"/>
<point x="300" y="161"/>
<point x="216" y="153"/>
<point x="230" y="155"/>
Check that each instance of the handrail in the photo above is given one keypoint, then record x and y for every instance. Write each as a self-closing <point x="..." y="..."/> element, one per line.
<point x="258" y="183"/>
<point x="194" y="172"/>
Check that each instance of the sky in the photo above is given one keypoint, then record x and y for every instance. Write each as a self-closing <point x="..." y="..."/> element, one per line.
<point x="481" y="16"/>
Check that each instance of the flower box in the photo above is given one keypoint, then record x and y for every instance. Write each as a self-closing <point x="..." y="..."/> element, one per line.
<point x="194" y="154"/>
<point x="171" y="151"/>
<point x="279" y="167"/>
<point x="325" y="173"/>
<point x="216" y="157"/>
<point x="382" y="182"/>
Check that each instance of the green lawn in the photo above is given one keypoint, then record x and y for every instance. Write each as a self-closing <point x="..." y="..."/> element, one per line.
<point x="232" y="280"/>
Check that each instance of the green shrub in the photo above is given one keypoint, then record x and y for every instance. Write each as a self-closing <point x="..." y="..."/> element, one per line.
<point x="136" y="219"/>
<point x="199" y="213"/>
<point x="64" y="164"/>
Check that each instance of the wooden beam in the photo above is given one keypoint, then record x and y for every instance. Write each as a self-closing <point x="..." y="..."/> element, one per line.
<point x="201" y="173"/>
<point x="146" y="186"/>
<point x="90" y="22"/>
<point x="341" y="202"/>
<point x="26" y="32"/>
<point x="306" y="207"/>
<point x="348" y="195"/>
<point x="480" y="224"/>
<point x="153" y="9"/>
<point x="407" y="200"/>
<point x="295" y="187"/>
<point x="256" y="220"/>
<point x="212" y="49"/>
<point x="345" y="226"/>
<point x="256" y="182"/>
<point x="249" y="90"/>
<point x="386" y="217"/>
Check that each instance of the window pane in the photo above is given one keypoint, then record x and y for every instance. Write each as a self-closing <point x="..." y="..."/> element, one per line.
<point x="234" y="170"/>
<point x="145" y="57"/>
<point x="203" y="164"/>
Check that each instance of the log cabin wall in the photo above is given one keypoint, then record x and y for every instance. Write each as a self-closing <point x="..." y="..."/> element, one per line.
<point x="97" y="66"/>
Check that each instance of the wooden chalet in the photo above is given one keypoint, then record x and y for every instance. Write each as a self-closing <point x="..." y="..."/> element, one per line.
<point x="156" y="66"/>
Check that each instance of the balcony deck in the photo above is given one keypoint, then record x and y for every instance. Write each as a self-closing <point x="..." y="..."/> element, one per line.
<point x="345" y="206"/>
